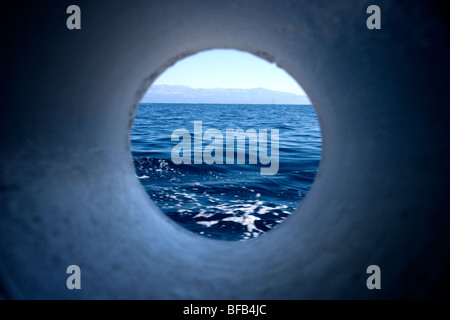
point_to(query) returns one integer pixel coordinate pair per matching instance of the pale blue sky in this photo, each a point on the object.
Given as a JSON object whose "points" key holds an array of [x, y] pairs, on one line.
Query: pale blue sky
{"points": [[226, 68]]}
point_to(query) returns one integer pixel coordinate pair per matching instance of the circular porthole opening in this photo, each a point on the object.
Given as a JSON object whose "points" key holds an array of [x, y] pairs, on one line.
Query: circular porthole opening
{"points": [[226, 144]]}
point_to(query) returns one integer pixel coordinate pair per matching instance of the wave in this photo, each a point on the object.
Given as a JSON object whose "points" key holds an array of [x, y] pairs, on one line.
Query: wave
{"points": [[222, 202], [227, 201]]}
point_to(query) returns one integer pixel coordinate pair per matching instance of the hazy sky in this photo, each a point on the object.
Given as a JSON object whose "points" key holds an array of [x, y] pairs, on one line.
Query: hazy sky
{"points": [[225, 68]]}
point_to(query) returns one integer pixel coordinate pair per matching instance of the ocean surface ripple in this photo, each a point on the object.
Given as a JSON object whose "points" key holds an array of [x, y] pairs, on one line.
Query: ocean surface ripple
{"points": [[226, 201]]}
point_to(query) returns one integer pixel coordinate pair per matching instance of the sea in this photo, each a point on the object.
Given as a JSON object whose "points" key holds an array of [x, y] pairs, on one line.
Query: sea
{"points": [[225, 201]]}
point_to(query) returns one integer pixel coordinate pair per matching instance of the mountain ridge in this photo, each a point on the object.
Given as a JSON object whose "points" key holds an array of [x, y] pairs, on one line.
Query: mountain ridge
{"points": [[184, 94]]}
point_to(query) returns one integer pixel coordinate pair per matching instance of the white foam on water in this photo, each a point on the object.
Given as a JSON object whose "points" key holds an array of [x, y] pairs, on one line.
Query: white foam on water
{"points": [[204, 214], [247, 220], [244, 212], [208, 223]]}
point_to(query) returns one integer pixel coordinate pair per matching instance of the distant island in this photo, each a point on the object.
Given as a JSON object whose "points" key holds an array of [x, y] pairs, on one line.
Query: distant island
{"points": [[183, 94]]}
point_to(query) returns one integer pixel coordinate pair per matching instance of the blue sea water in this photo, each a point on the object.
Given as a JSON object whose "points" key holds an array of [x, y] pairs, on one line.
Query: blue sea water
{"points": [[226, 201]]}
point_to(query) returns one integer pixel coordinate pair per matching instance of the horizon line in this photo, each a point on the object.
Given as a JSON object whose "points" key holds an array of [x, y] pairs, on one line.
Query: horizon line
{"points": [[182, 85], [244, 104]]}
